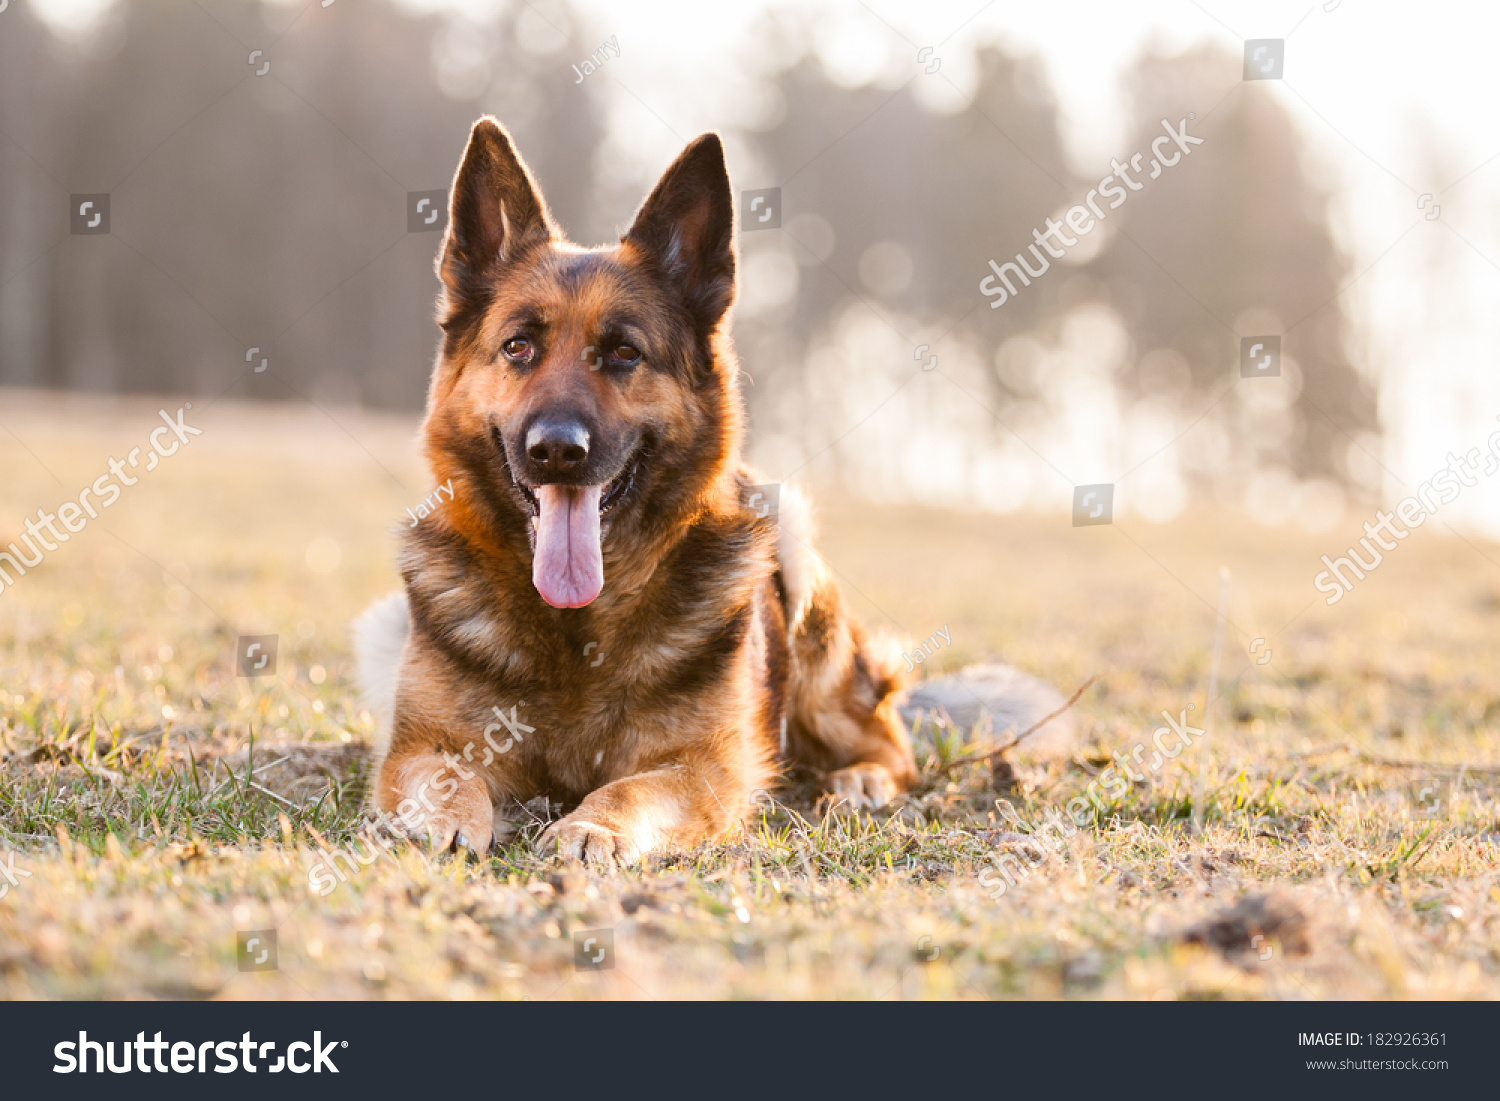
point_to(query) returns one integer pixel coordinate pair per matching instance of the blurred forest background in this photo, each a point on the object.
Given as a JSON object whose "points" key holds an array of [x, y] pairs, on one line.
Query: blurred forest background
{"points": [[270, 212]]}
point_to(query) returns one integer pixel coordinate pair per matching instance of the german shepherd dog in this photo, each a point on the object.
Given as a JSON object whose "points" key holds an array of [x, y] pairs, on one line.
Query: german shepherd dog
{"points": [[656, 649]]}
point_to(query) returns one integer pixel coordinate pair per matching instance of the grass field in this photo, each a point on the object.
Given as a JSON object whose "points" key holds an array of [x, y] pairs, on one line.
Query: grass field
{"points": [[1332, 835]]}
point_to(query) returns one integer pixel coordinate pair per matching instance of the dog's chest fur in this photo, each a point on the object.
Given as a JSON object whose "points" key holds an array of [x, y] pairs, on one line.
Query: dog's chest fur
{"points": [[585, 696]]}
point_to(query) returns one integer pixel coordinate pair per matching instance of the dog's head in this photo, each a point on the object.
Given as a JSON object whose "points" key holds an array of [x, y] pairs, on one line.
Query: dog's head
{"points": [[583, 393]]}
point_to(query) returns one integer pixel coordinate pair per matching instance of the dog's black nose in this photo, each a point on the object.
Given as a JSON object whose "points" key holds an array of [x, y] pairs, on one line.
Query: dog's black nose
{"points": [[557, 445]]}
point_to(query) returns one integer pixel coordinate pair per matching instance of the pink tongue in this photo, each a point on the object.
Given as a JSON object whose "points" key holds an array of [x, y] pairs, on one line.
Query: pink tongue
{"points": [[567, 568]]}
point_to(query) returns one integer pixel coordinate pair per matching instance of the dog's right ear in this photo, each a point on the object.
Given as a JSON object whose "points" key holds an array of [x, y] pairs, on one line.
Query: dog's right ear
{"points": [[495, 210]]}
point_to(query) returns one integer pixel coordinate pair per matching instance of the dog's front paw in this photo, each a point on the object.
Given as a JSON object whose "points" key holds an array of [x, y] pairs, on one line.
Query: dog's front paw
{"points": [[595, 845], [468, 825], [862, 786], [474, 832], [428, 801]]}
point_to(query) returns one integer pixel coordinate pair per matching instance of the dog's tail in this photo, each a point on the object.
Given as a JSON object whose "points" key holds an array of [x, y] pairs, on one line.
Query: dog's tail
{"points": [[1013, 701], [379, 639]]}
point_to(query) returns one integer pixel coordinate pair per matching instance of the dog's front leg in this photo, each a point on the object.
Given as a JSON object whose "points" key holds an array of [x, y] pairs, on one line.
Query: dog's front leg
{"points": [[439, 796], [673, 806]]}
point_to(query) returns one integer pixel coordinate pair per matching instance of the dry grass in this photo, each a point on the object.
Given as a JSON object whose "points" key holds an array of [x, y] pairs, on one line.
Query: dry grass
{"points": [[154, 828]]}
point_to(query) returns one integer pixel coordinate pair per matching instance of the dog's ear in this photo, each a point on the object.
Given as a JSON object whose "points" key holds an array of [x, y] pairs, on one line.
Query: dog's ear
{"points": [[495, 209], [686, 227]]}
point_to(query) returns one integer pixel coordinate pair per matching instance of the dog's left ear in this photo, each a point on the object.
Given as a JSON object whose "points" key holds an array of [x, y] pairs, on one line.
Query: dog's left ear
{"points": [[686, 227]]}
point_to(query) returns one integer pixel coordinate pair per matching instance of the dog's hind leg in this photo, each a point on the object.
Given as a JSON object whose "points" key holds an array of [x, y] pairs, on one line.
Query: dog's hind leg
{"points": [[842, 717], [841, 711]]}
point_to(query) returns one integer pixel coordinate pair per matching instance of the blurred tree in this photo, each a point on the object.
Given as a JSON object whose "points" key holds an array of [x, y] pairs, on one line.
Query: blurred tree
{"points": [[256, 211], [1237, 243], [270, 212], [881, 170]]}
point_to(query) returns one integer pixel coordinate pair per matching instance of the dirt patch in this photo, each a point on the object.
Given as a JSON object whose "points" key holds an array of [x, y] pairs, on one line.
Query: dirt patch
{"points": [[1257, 923]]}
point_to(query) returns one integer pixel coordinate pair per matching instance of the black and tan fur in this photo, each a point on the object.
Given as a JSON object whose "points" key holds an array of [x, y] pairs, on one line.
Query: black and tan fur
{"points": [[657, 710]]}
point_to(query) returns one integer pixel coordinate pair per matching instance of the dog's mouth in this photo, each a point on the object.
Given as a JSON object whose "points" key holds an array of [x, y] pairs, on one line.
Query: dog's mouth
{"points": [[611, 495], [567, 560]]}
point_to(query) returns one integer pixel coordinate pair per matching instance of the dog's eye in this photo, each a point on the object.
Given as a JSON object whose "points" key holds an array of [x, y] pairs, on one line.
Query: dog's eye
{"points": [[627, 355], [517, 347]]}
